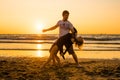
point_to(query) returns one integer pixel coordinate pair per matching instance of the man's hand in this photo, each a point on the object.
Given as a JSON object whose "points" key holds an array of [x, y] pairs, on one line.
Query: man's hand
{"points": [[49, 29], [44, 30]]}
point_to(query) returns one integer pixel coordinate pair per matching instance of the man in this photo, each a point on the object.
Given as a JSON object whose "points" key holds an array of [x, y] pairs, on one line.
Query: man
{"points": [[64, 28]]}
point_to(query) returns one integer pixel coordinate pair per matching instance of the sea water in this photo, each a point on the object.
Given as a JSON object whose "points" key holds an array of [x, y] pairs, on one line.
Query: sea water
{"points": [[105, 46]]}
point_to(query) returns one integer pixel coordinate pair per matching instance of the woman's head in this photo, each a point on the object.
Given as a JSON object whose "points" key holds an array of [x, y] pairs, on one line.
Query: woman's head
{"points": [[65, 15], [79, 42]]}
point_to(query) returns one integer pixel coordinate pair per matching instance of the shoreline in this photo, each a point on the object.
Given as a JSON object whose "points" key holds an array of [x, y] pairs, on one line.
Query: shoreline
{"points": [[22, 68]]}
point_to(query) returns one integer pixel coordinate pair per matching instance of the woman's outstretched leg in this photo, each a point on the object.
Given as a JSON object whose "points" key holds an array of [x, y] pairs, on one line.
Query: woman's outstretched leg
{"points": [[54, 62], [53, 51], [49, 59], [57, 59]]}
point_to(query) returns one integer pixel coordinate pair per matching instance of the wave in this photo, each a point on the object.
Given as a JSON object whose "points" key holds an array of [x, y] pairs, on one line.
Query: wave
{"points": [[27, 42], [52, 41], [48, 49], [97, 37], [28, 36]]}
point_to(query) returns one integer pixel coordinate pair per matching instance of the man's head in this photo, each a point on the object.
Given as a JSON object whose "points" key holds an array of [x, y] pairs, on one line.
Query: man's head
{"points": [[65, 15]]}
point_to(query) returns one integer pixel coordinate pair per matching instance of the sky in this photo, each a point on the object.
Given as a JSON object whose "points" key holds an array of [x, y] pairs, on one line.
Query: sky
{"points": [[31, 16]]}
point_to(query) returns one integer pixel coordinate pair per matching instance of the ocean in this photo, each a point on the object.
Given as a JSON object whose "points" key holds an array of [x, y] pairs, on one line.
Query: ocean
{"points": [[102, 46]]}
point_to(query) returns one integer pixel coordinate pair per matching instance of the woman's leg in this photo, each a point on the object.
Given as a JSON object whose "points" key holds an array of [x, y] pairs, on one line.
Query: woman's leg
{"points": [[54, 62], [57, 59], [53, 51]]}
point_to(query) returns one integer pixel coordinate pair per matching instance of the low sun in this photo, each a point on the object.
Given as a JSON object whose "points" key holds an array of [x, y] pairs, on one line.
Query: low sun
{"points": [[39, 27]]}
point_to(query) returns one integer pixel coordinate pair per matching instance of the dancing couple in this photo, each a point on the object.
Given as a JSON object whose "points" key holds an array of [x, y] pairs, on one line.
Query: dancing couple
{"points": [[65, 39]]}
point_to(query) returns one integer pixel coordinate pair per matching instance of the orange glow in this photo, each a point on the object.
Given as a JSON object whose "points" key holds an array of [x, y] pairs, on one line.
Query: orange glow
{"points": [[39, 53], [88, 16], [39, 27]]}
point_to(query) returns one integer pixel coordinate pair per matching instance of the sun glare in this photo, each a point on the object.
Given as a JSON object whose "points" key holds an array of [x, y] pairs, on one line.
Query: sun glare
{"points": [[39, 27], [39, 46], [39, 53]]}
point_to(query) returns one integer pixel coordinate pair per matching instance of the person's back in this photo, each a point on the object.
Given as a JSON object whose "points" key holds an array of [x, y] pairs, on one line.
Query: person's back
{"points": [[64, 40]]}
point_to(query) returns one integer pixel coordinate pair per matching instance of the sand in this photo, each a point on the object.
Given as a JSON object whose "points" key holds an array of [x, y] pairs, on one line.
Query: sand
{"points": [[29, 68]]}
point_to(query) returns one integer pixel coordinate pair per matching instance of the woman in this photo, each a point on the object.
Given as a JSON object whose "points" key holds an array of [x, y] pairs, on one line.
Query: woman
{"points": [[66, 40]]}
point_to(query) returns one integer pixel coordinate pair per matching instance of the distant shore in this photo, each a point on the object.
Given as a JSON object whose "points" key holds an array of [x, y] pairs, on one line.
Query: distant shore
{"points": [[22, 68]]}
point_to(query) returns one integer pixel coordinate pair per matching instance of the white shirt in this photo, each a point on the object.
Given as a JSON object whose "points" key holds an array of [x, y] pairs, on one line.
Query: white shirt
{"points": [[64, 27]]}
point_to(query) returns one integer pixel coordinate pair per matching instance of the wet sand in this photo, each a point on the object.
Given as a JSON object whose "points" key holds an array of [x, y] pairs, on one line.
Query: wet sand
{"points": [[29, 68]]}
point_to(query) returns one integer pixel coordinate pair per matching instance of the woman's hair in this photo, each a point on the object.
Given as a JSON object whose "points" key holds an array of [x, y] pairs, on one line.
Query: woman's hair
{"points": [[65, 12], [79, 42]]}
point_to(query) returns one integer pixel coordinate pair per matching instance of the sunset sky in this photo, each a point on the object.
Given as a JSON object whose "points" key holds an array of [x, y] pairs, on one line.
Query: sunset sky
{"points": [[31, 16]]}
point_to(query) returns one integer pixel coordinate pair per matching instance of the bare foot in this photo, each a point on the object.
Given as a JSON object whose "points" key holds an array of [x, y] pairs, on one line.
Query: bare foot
{"points": [[79, 66]]}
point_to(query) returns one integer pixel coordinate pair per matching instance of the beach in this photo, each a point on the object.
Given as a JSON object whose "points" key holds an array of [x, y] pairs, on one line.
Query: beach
{"points": [[22, 56], [29, 68]]}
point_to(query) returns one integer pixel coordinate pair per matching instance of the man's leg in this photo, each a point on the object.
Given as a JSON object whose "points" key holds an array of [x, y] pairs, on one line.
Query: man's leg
{"points": [[75, 58], [71, 51]]}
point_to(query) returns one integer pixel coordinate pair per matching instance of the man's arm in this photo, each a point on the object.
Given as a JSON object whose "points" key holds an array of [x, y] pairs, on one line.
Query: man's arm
{"points": [[72, 29], [51, 28]]}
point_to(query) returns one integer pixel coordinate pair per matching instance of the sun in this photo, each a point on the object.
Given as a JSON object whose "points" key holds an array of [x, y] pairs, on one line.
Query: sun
{"points": [[39, 27]]}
